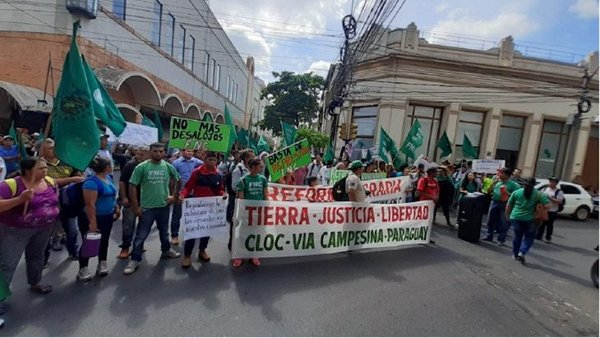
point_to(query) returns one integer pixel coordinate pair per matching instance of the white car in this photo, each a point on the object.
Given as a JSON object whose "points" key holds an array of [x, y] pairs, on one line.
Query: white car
{"points": [[578, 202]]}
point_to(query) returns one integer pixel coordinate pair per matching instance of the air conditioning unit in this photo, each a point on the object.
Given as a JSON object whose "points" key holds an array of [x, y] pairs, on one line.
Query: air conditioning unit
{"points": [[87, 8]]}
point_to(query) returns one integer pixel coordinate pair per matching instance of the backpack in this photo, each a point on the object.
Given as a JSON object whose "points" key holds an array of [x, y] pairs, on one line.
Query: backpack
{"points": [[12, 184], [561, 205], [71, 197], [339, 190]]}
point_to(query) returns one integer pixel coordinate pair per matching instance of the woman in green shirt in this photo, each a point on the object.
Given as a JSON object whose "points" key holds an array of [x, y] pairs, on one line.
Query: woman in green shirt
{"points": [[521, 212], [468, 185]]}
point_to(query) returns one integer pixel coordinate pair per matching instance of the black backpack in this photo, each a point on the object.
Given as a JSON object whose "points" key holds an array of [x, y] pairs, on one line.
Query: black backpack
{"points": [[71, 197], [339, 190]]}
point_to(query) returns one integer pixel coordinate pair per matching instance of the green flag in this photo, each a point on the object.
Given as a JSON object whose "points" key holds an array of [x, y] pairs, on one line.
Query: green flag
{"points": [[103, 105], [21, 146], [262, 145], [444, 145], [329, 152], [207, 117], [158, 125], [289, 133], [73, 120], [387, 145], [12, 132], [468, 150], [369, 155], [252, 145], [413, 140], [243, 137], [147, 122], [229, 121]]}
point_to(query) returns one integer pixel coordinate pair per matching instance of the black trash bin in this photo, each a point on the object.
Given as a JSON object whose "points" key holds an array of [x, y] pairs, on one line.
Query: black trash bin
{"points": [[470, 214]]}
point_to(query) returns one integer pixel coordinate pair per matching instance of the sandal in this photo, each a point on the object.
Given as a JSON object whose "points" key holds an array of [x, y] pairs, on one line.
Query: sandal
{"points": [[42, 289]]}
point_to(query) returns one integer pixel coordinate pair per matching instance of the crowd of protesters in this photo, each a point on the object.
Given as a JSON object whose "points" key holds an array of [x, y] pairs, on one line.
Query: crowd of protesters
{"points": [[153, 183]]}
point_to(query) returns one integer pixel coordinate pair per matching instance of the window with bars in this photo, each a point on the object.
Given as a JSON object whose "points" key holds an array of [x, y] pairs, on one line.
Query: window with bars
{"points": [[552, 149], [429, 118]]}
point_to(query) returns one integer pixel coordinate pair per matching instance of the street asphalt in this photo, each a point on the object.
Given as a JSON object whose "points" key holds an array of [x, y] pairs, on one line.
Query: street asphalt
{"points": [[452, 288]]}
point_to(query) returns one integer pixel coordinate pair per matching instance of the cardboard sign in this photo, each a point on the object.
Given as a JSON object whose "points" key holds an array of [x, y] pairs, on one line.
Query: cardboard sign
{"points": [[193, 134], [289, 158], [135, 135], [204, 216], [487, 166]]}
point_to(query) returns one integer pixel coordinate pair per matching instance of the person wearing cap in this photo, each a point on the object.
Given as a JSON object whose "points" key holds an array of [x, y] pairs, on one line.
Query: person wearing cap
{"points": [[10, 154], [370, 167], [501, 189], [354, 186], [556, 197]]}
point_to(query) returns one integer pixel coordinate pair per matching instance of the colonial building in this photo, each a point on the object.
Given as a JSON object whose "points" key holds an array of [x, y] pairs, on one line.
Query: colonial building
{"points": [[510, 106], [171, 56]]}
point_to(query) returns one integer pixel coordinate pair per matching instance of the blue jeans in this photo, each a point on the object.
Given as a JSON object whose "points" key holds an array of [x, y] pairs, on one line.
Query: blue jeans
{"points": [[522, 229], [497, 221], [149, 216], [176, 219], [129, 219], [70, 227]]}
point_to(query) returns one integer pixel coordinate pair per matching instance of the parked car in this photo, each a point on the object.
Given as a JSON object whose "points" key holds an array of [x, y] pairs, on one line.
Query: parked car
{"points": [[578, 202]]}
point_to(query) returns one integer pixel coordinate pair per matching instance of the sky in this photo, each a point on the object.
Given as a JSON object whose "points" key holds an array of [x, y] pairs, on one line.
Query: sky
{"points": [[306, 35]]}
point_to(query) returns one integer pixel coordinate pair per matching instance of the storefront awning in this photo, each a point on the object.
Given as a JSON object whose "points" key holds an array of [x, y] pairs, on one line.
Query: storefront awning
{"points": [[29, 99]]}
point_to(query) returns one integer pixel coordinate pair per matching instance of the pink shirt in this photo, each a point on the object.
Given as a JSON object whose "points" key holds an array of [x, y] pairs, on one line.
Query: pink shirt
{"points": [[41, 212]]}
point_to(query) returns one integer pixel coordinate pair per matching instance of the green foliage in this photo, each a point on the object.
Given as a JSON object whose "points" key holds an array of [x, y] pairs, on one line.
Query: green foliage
{"points": [[315, 138], [294, 99]]}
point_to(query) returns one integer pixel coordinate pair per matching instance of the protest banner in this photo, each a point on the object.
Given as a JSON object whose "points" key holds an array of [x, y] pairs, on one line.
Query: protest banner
{"points": [[337, 174], [381, 190], [187, 133], [204, 216], [135, 135], [289, 158], [487, 166], [282, 229]]}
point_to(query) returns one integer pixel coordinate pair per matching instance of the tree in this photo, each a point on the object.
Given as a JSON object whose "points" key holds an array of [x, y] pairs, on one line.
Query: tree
{"points": [[315, 138], [294, 99]]}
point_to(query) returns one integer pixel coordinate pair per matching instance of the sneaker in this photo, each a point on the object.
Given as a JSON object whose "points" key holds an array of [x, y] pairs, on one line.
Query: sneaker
{"points": [[187, 262], [521, 257], [548, 241], [170, 254], [236, 262], [255, 261], [203, 256], [84, 275], [516, 258], [131, 267], [501, 243], [102, 269], [124, 254], [175, 241]]}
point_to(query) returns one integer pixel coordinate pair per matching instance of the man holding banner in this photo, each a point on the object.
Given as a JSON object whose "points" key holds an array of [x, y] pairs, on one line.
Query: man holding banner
{"points": [[205, 181], [184, 165]]}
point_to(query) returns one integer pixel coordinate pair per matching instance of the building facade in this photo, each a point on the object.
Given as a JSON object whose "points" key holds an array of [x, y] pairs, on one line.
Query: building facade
{"points": [[170, 56], [511, 107]]}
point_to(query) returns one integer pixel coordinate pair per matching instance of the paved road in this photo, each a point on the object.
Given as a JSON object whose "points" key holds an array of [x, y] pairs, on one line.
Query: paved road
{"points": [[452, 288]]}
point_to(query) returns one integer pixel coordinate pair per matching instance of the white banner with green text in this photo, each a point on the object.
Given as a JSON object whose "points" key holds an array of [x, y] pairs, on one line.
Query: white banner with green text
{"points": [[283, 229]]}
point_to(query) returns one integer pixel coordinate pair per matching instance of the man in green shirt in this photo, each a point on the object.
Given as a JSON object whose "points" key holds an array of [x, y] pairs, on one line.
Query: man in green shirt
{"points": [[253, 186], [501, 188], [521, 212], [159, 184]]}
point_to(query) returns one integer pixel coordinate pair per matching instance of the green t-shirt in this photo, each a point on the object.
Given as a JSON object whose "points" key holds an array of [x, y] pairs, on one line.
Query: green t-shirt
{"points": [[510, 185], [153, 180], [524, 209], [253, 187]]}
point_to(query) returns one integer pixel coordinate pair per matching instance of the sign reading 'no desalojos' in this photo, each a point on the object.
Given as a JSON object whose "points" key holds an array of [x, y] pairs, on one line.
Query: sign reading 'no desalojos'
{"points": [[281, 229], [288, 158], [192, 134]]}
